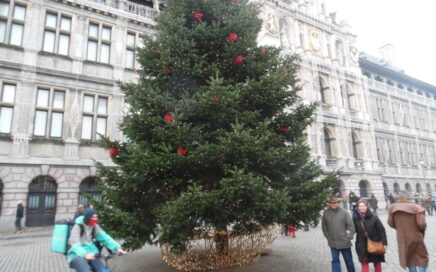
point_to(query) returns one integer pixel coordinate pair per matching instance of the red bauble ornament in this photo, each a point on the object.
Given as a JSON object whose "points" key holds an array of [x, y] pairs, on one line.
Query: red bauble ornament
{"points": [[214, 99], [284, 129], [238, 59], [182, 151], [113, 151], [168, 118], [234, 1], [166, 69], [198, 16], [261, 52], [232, 37]]}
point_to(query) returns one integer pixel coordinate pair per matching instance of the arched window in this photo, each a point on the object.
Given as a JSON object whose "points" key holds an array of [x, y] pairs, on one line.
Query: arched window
{"points": [[418, 188], [340, 52], [324, 88], [408, 187], [339, 188], [364, 188], [41, 202], [88, 187], [396, 188], [354, 145], [350, 96], [385, 189], [327, 144], [428, 188]]}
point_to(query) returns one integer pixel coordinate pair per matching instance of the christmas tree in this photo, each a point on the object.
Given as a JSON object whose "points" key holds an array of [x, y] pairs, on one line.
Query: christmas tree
{"points": [[216, 134]]}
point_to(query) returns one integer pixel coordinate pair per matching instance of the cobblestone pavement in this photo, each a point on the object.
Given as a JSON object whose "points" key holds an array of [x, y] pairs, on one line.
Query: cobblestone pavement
{"points": [[30, 252]]}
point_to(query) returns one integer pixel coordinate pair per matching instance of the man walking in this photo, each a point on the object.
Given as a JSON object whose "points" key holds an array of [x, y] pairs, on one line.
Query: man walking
{"points": [[408, 219], [338, 229], [19, 216]]}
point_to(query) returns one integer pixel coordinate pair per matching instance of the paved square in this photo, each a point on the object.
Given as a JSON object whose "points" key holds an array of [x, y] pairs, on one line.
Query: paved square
{"points": [[307, 252]]}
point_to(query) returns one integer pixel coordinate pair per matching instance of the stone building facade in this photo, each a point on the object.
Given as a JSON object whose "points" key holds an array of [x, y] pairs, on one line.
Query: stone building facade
{"points": [[59, 66], [60, 60]]}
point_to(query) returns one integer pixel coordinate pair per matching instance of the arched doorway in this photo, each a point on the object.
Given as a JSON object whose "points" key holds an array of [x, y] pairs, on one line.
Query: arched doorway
{"points": [[364, 188], [41, 202], [408, 187], [428, 188], [418, 188], [88, 187], [396, 188]]}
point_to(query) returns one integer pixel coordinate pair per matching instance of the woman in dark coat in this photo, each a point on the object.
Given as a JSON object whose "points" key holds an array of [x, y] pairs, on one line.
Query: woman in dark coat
{"points": [[376, 232]]}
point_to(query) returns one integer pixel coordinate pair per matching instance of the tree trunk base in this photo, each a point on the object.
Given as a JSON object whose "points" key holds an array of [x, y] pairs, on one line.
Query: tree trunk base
{"points": [[217, 250]]}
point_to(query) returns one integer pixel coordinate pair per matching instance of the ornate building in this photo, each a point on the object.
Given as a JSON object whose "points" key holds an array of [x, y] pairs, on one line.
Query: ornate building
{"points": [[60, 60], [59, 63], [375, 123]]}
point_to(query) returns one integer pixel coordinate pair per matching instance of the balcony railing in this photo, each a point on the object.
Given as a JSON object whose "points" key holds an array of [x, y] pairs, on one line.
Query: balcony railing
{"points": [[128, 6], [331, 163]]}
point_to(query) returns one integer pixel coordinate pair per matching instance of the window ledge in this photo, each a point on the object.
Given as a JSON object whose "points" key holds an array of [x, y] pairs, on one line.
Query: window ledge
{"points": [[89, 143], [43, 53], [5, 137], [131, 70], [98, 63], [15, 47], [40, 140]]}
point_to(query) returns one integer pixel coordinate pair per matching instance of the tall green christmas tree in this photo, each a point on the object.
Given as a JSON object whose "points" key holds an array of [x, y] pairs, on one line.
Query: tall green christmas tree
{"points": [[216, 133]]}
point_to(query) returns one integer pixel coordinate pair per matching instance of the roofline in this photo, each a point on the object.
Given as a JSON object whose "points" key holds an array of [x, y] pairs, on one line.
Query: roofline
{"points": [[389, 73]]}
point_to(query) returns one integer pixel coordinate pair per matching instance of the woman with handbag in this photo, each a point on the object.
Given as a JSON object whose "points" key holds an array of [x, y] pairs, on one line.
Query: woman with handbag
{"points": [[371, 241]]}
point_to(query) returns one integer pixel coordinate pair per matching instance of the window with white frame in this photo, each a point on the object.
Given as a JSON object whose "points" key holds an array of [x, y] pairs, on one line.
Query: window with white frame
{"points": [[7, 100], [57, 32], [99, 42], [12, 17], [94, 117], [49, 112], [133, 41]]}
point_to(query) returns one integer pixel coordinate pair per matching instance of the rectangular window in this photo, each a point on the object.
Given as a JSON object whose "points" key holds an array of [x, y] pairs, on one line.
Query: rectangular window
{"points": [[16, 34], [56, 124], [94, 120], [49, 41], [131, 44], [12, 17], [57, 32], [99, 42], [2, 31], [4, 9], [7, 100], [87, 127], [40, 123], [19, 12], [49, 112]]}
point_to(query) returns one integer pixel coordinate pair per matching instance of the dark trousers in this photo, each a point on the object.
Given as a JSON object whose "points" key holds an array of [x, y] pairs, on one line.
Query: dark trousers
{"points": [[348, 258], [83, 265], [18, 223]]}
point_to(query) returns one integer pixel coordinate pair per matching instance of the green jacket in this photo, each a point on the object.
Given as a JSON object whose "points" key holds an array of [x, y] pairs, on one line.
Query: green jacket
{"points": [[335, 224], [81, 245]]}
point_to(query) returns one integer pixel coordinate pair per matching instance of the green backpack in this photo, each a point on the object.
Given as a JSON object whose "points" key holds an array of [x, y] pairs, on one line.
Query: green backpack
{"points": [[61, 234]]}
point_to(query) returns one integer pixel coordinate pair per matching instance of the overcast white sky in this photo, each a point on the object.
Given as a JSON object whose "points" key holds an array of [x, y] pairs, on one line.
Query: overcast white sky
{"points": [[409, 25]]}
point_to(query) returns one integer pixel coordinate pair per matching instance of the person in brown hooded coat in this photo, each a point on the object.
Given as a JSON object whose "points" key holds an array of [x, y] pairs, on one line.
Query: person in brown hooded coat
{"points": [[408, 219]]}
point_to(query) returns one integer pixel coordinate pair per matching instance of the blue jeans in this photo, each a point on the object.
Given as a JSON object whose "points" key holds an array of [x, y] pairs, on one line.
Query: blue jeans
{"points": [[348, 257], [83, 265], [420, 269], [18, 223]]}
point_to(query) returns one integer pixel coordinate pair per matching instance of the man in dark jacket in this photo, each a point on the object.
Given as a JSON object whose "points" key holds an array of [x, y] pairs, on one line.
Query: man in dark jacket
{"points": [[19, 216], [338, 229]]}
